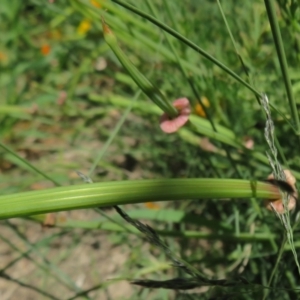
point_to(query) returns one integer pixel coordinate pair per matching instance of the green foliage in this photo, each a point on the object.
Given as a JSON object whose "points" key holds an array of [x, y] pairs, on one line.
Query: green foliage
{"points": [[68, 104]]}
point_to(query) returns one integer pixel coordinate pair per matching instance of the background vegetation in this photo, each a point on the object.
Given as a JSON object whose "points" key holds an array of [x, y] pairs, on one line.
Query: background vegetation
{"points": [[63, 94]]}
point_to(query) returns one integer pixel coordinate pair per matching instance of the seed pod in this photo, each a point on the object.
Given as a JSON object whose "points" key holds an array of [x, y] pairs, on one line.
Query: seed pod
{"points": [[290, 188]]}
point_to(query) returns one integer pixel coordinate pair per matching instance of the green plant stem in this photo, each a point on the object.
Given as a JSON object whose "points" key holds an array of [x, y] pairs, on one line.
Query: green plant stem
{"points": [[282, 60], [124, 192]]}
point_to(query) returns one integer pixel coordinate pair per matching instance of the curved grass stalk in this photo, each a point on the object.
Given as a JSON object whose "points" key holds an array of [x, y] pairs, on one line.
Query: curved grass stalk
{"points": [[125, 192]]}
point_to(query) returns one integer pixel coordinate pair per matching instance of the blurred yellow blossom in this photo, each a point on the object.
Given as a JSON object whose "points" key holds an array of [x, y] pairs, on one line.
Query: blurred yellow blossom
{"points": [[3, 57], [84, 26], [199, 109], [95, 3], [152, 205]]}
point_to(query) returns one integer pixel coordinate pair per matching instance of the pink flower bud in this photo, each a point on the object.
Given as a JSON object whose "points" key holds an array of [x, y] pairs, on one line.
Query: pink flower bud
{"points": [[169, 125]]}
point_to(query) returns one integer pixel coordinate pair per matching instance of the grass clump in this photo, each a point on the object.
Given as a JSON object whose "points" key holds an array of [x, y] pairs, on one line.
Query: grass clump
{"points": [[69, 103]]}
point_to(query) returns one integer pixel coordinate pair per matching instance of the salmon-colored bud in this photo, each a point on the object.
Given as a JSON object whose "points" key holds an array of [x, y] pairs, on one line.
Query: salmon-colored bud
{"points": [[169, 125], [248, 142], [152, 205], [277, 204], [45, 49]]}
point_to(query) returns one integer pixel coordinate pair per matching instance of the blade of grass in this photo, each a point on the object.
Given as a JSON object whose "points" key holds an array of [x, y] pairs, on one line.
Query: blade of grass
{"points": [[124, 192]]}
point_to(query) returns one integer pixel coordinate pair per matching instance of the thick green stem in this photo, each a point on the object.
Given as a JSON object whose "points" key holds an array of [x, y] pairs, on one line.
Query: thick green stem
{"points": [[124, 192]]}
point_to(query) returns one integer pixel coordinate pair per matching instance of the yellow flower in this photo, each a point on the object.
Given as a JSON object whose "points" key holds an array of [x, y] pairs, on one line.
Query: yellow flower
{"points": [[199, 109], [84, 26], [152, 205], [3, 57], [95, 3]]}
